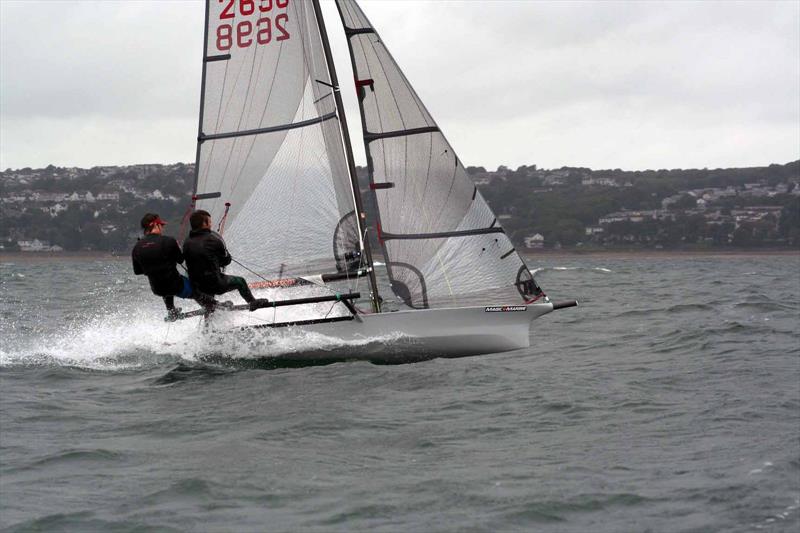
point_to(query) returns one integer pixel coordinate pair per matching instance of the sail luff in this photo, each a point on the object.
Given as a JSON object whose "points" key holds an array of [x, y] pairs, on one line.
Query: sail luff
{"points": [[360, 214], [368, 154], [202, 100]]}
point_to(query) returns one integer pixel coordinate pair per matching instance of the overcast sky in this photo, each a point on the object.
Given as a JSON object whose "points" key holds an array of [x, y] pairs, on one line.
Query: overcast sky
{"points": [[630, 85]]}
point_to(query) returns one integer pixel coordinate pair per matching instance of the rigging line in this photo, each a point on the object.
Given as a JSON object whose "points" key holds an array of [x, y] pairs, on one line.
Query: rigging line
{"points": [[249, 270], [268, 280], [360, 265]]}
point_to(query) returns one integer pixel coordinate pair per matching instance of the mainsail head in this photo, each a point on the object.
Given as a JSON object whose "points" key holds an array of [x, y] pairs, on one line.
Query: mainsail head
{"points": [[440, 239]]}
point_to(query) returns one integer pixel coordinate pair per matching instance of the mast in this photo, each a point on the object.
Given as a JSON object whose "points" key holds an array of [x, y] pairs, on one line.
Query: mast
{"points": [[360, 215], [202, 105]]}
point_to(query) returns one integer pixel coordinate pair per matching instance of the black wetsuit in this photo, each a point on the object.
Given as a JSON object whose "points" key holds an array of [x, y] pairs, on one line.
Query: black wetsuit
{"points": [[157, 256], [206, 255]]}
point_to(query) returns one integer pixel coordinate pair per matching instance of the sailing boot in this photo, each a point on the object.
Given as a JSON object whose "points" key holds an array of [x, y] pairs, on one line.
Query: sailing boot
{"points": [[258, 303], [173, 314], [205, 300], [247, 295]]}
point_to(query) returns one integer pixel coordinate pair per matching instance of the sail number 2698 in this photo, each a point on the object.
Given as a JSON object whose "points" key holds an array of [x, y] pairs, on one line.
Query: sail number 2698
{"points": [[268, 25]]}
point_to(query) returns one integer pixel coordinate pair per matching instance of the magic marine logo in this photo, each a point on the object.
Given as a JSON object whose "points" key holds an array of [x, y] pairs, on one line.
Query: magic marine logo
{"points": [[505, 308]]}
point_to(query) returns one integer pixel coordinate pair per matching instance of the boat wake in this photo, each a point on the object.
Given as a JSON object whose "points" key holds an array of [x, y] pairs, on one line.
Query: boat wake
{"points": [[140, 340]]}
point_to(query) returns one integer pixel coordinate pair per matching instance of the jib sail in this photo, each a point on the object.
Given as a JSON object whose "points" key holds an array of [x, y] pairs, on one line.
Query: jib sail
{"points": [[440, 239]]}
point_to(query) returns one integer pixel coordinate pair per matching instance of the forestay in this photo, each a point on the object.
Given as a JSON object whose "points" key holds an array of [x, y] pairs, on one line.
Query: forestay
{"points": [[269, 141], [440, 238]]}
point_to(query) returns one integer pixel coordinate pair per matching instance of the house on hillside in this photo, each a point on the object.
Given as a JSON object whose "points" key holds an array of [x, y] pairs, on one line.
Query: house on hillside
{"points": [[600, 182], [534, 241], [593, 230], [37, 246]]}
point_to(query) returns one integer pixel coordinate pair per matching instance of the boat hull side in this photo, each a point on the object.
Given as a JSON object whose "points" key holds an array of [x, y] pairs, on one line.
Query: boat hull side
{"points": [[408, 336]]}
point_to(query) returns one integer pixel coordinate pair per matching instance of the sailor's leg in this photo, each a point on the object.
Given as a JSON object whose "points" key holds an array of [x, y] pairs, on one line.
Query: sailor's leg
{"points": [[172, 311], [239, 283], [188, 291]]}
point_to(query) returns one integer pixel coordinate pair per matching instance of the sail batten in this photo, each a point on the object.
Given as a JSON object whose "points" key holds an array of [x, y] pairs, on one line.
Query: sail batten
{"points": [[269, 129], [369, 137], [421, 236]]}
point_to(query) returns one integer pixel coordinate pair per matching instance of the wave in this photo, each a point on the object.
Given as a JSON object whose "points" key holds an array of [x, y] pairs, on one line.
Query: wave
{"points": [[136, 339], [564, 269]]}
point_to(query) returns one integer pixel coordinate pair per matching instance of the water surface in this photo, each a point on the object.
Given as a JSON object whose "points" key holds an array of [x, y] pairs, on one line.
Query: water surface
{"points": [[669, 401]]}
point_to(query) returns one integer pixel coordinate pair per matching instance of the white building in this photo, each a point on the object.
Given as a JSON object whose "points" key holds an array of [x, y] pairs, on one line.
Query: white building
{"points": [[534, 241]]}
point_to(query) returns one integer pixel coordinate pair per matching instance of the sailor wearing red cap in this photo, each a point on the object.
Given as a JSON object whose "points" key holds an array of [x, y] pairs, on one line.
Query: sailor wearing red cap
{"points": [[157, 256]]}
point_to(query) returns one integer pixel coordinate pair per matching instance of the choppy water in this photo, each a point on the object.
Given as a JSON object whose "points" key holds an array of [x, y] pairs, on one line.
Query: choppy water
{"points": [[670, 401]]}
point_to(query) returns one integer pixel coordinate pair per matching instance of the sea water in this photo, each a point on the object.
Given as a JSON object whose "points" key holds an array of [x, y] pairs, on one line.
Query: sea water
{"points": [[668, 401]]}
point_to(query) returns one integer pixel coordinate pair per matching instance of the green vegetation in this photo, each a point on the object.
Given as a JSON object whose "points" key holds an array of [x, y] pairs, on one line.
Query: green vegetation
{"points": [[99, 208]]}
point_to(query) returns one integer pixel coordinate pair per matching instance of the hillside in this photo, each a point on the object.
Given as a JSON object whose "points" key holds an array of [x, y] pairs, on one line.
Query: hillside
{"points": [[99, 208]]}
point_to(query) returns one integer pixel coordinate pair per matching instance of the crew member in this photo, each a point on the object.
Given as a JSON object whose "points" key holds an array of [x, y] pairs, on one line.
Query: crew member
{"points": [[206, 256], [157, 256]]}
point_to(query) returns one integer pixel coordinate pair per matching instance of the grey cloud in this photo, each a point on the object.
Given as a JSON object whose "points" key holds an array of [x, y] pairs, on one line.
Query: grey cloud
{"points": [[509, 81], [110, 59]]}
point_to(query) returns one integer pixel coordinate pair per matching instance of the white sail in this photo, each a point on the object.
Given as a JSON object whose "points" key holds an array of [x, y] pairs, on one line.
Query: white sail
{"points": [[441, 240], [270, 142], [272, 146]]}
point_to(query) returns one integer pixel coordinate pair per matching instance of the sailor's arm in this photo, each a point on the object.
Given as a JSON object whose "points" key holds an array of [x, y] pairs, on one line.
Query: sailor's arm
{"points": [[222, 251], [175, 252], [137, 268]]}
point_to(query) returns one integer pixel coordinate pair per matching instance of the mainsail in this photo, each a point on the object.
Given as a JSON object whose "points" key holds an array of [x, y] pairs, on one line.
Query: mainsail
{"points": [[270, 143], [440, 239]]}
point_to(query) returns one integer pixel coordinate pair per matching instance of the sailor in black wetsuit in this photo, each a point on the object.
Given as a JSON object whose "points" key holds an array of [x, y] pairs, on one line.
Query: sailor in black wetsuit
{"points": [[157, 256], [206, 256]]}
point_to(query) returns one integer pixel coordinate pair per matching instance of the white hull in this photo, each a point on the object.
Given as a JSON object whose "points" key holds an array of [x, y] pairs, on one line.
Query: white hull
{"points": [[408, 336]]}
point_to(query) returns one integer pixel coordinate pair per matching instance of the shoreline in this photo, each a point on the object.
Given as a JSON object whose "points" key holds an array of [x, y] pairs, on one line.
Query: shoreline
{"points": [[630, 254], [527, 254]]}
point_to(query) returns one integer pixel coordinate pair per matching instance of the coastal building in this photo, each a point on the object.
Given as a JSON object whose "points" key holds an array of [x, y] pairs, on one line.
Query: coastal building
{"points": [[594, 230], [636, 216], [535, 241], [36, 245], [601, 182]]}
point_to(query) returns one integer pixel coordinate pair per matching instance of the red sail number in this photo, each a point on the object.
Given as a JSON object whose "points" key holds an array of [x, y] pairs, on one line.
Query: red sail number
{"points": [[242, 36]]}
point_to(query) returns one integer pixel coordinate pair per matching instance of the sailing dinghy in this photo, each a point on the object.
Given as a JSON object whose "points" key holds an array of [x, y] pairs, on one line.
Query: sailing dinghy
{"points": [[275, 168]]}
